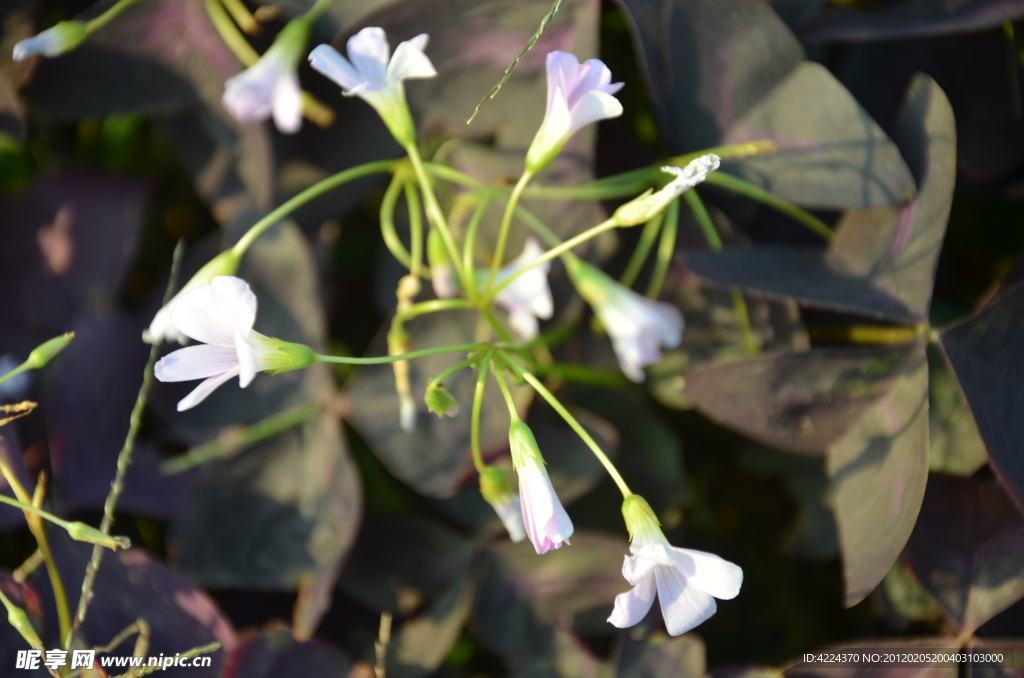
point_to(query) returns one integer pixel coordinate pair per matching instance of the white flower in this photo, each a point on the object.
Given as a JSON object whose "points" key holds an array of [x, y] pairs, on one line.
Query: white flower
{"points": [[645, 207], [511, 514], [546, 522], [221, 315], [271, 85], [60, 38], [528, 297], [162, 329], [637, 326], [372, 73], [687, 581], [578, 94]]}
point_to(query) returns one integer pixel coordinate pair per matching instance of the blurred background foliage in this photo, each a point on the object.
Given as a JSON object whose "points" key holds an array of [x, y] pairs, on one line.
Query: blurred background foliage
{"points": [[805, 464]]}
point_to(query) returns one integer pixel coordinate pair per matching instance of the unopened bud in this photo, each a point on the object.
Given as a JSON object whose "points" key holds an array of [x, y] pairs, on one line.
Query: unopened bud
{"points": [[640, 519], [278, 356], [45, 352], [82, 532], [644, 208], [440, 401], [60, 38]]}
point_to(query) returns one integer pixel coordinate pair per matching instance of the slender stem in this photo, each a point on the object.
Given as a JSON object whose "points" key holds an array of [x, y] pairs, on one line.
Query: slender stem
{"points": [[301, 199], [643, 248], [317, 10], [232, 441], [75, 529], [759, 194], [393, 358], [510, 402], [432, 306], [739, 307], [38, 530], [470, 243], [387, 222], [434, 213], [439, 379], [24, 367], [474, 425], [412, 200], [666, 248], [584, 374], [230, 34], [867, 334], [123, 459], [242, 16], [741, 150], [571, 420], [108, 16], [558, 250], [617, 186], [506, 225], [700, 213], [489, 316]]}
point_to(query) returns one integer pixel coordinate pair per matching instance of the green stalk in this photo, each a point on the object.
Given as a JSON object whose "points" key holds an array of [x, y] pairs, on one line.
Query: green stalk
{"points": [[757, 193], [643, 248], [506, 225], [474, 426], [108, 16], [387, 222], [666, 248], [434, 213], [76, 530], [412, 200], [382, 360], [700, 213], [470, 243]]}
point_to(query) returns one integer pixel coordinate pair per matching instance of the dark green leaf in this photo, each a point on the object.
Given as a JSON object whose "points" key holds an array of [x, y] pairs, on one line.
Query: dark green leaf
{"points": [[968, 549], [882, 261], [984, 353], [955, 446]]}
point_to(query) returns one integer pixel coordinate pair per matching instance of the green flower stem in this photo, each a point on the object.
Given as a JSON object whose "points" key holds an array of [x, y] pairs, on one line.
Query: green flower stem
{"points": [[739, 307], [618, 186], [509, 400], [24, 367], [38, 530], [108, 16], [387, 222], [569, 419], [434, 213], [643, 248], [492, 319], [412, 200], [432, 306], [194, 652], [470, 242], [242, 16], [439, 379], [606, 225], [506, 225], [474, 426], [233, 441], [584, 374], [301, 199], [666, 249], [123, 459], [18, 618], [872, 335], [757, 193], [454, 348], [78, 531], [700, 213], [741, 150]]}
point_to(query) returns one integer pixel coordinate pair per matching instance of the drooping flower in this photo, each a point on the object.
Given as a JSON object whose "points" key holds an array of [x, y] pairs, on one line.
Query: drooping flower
{"points": [[221, 315], [650, 204], [162, 329], [62, 37], [578, 94], [686, 581], [372, 73], [547, 524], [528, 297], [638, 327], [496, 489], [270, 87]]}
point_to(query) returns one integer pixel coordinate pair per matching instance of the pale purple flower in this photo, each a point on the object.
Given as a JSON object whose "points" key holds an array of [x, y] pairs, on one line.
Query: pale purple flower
{"points": [[546, 522], [221, 316], [528, 297], [638, 327], [270, 87], [686, 581], [578, 95], [372, 73], [511, 514]]}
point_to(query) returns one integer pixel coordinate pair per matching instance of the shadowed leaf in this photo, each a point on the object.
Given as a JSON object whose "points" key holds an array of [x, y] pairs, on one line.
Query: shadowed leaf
{"points": [[909, 18], [708, 62], [275, 654], [984, 353], [955, 446], [968, 549], [660, 656], [882, 261]]}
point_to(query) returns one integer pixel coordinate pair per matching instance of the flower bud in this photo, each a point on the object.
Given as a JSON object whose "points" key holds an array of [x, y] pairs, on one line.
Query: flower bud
{"points": [[82, 532], [547, 524], [276, 356], [644, 208], [440, 401], [45, 352], [18, 618], [60, 38]]}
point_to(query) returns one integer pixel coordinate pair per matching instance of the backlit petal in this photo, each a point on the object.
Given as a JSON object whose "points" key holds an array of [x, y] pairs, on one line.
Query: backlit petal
{"points": [[236, 302], [409, 62], [632, 606], [246, 361], [197, 315], [287, 102], [369, 52], [195, 362], [328, 61], [683, 605], [594, 106], [204, 389], [711, 573]]}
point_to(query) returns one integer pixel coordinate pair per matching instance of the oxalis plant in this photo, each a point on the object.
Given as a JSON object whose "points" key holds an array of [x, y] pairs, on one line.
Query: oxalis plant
{"points": [[451, 266]]}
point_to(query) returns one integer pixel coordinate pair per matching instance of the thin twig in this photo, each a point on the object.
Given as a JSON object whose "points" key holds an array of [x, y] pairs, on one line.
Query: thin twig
{"points": [[515, 62], [123, 459], [381, 646]]}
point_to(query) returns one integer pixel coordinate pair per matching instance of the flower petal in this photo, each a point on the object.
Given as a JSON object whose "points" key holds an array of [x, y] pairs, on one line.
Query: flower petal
{"points": [[204, 389], [511, 514], [524, 324], [195, 362], [248, 96], [162, 329], [632, 606], [635, 569], [554, 130], [246, 361], [369, 52], [236, 302], [709, 572], [420, 41], [546, 522], [594, 106], [409, 62], [328, 61], [197, 315], [287, 102], [683, 605], [561, 71]]}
